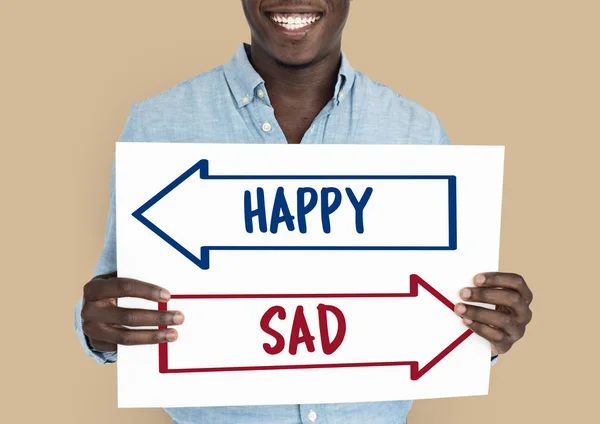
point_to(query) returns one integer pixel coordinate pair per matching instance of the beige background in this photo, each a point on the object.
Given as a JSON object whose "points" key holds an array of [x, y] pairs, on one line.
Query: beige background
{"points": [[523, 73]]}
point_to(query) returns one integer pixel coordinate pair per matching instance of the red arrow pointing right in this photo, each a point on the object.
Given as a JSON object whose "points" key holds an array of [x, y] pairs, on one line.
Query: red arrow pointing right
{"points": [[416, 371]]}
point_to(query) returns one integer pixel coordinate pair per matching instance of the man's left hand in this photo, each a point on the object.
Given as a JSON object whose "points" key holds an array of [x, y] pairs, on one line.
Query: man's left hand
{"points": [[504, 325]]}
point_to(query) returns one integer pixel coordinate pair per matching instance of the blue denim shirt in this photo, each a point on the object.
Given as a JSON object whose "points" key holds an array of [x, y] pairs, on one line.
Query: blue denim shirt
{"points": [[230, 104]]}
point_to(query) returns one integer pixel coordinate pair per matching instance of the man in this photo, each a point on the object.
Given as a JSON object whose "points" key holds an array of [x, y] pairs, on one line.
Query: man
{"points": [[293, 85]]}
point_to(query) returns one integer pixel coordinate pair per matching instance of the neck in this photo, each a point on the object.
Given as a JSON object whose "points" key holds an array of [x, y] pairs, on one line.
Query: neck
{"points": [[312, 83]]}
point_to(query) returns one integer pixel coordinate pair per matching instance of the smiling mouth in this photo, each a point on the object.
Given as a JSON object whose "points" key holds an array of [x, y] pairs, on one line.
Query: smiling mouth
{"points": [[294, 21]]}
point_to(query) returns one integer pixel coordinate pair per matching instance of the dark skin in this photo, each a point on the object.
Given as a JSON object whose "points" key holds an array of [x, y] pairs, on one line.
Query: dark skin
{"points": [[103, 321], [300, 73], [504, 325]]}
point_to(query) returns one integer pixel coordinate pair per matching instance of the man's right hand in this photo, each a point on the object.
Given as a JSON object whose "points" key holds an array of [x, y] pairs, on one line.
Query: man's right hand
{"points": [[104, 322]]}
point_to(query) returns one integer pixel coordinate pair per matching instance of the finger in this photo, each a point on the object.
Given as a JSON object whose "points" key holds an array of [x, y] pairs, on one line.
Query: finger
{"points": [[98, 289], [500, 297], [507, 281], [132, 317], [500, 320], [497, 338], [101, 346], [122, 336]]}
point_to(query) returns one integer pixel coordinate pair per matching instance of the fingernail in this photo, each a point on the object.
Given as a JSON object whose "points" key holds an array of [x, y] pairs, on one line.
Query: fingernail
{"points": [[171, 336], [165, 295], [467, 321], [479, 279], [178, 318], [460, 309], [465, 293]]}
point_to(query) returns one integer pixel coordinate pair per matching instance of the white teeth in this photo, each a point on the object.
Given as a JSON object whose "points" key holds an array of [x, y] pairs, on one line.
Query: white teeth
{"points": [[293, 23]]}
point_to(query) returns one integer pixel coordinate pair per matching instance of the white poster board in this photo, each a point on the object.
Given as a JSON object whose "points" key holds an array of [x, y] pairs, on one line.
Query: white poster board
{"points": [[303, 270]]}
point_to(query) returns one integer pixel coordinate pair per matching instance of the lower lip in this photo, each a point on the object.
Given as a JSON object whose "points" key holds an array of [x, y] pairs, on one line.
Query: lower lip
{"points": [[297, 31]]}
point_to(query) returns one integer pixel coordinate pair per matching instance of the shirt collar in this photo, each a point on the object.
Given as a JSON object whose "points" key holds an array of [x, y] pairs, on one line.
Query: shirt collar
{"points": [[241, 76], [345, 80], [243, 79]]}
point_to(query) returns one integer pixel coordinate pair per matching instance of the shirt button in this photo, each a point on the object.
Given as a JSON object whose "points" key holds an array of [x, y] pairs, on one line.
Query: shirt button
{"points": [[312, 415], [341, 96], [266, 127], [260, 94], [245, 100]]}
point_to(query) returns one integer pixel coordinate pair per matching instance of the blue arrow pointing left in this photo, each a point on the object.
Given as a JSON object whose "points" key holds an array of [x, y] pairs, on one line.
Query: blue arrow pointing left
{"points": [[201, 167]]}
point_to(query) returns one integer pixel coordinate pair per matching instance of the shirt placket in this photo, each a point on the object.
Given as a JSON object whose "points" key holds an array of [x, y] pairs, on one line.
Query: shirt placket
{"points": [[263, 118], [312, 414], [266, 126]]}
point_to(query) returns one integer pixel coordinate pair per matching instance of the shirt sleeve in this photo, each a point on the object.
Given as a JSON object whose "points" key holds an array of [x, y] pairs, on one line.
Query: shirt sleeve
{"points": [[439, 134], [107, 262]]}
